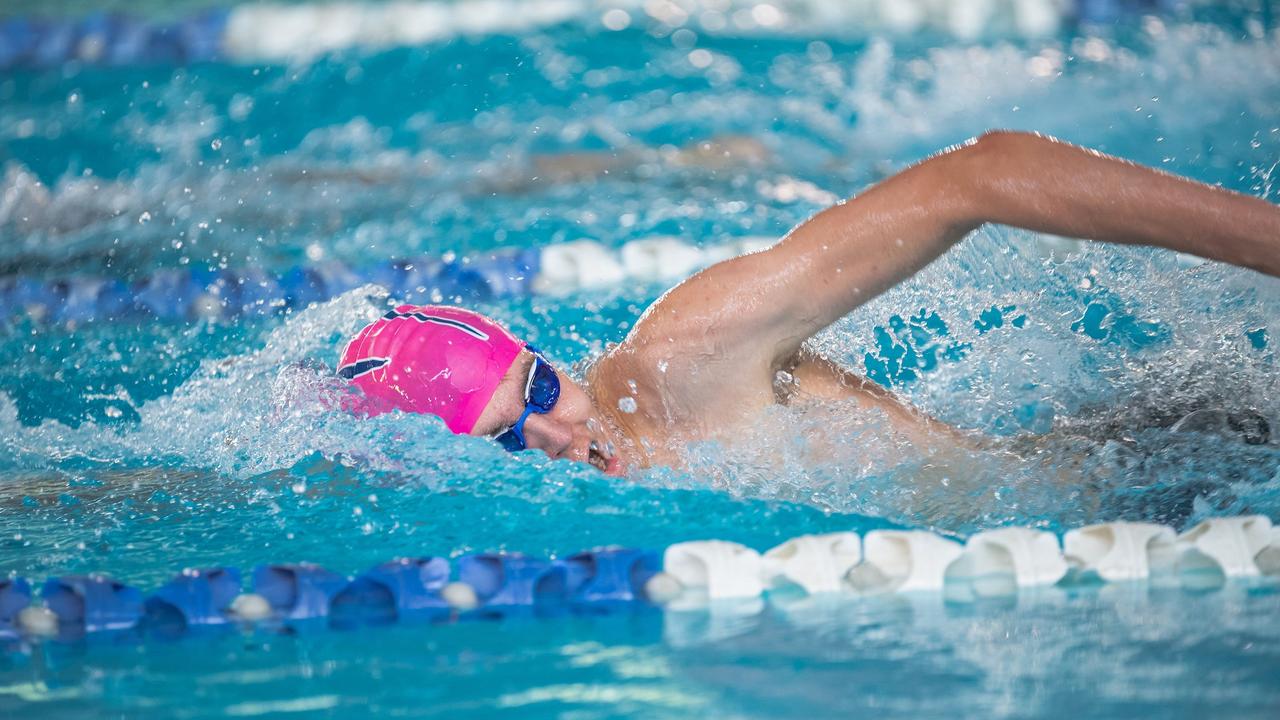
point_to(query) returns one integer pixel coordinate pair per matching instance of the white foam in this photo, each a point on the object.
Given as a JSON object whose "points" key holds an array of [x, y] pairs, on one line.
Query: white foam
{"points": [[241, 415], [267, 31], [271, 31]]}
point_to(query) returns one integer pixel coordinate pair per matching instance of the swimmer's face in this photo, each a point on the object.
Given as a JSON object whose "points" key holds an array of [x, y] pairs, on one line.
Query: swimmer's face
{"points": [[571, 430]]}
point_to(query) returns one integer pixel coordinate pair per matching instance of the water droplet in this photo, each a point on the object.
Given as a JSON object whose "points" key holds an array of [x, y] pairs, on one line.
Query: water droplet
{"points": [[144, 218], [216, 144], [627, 405]]}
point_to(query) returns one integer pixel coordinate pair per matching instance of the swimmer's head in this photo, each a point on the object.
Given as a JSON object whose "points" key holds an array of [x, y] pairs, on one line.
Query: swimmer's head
{"points": [[443, 361], [472, 373]]}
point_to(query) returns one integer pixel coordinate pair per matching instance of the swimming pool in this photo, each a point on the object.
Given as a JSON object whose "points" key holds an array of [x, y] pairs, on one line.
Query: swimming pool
{"points": [[144, 442]]}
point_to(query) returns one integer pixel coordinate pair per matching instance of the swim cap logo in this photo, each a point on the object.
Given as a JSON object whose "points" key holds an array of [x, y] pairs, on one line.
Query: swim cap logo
{"points": [[362, 367], [471, 330]]}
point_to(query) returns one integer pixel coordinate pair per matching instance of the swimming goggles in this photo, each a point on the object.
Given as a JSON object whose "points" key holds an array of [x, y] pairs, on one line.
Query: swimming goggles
{"points": [[541, 391]]}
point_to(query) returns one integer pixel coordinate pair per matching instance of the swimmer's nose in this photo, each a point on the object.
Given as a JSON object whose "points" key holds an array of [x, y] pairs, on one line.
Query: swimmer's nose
{"points": [[548, 435]]}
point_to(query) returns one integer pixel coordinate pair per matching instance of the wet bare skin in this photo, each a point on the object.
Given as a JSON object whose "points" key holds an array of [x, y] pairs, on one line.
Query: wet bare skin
{"points": [[811, 382], [704, 359]]}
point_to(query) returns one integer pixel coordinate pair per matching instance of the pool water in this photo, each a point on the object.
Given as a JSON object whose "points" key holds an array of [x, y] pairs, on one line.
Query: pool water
{"points": [[139, 448]]}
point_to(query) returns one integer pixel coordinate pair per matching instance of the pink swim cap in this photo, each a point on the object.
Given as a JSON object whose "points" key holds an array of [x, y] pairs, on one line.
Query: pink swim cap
{"points": [[433, 359]]}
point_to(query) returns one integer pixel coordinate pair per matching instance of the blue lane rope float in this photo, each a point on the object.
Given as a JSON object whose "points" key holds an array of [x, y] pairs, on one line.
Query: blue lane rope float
{"points": [[401, 589], [181, 294], [92, 603], [111, 38], [684, 576], [188, 294], [298, 592], [611, 575], [210, 293], [15, 594], [193, 598]]}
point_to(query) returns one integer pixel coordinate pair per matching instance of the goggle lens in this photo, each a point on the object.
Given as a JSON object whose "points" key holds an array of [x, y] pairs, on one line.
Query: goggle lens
{"points": [[541, 392]]}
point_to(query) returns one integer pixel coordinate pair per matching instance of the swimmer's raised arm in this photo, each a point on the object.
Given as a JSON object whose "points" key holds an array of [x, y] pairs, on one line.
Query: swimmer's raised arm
{"points": [[765, 305]]}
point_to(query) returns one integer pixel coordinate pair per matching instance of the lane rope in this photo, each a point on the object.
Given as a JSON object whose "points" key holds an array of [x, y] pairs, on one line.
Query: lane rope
{"points": [[189, 294], [687, 576]]}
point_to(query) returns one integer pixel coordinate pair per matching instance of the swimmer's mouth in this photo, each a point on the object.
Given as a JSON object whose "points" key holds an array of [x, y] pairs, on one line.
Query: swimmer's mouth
{"points": [[601, 456]]}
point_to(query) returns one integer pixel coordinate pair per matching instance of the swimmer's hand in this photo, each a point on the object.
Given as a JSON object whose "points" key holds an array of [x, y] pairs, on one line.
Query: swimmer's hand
{"points": [[758, 309]]}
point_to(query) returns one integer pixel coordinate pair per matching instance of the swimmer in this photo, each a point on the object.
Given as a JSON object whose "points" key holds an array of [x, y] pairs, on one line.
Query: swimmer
{"points": [[702, 362]]}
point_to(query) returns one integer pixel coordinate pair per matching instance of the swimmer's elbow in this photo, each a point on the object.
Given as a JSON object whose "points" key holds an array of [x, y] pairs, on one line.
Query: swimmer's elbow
{"points": [[966, 181], [990, 169], [995, 144]]}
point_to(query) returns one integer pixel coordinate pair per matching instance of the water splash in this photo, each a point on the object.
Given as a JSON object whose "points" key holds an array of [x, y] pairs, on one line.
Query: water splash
{"points": [[1077, 422], [1102, 349], [387, 164]]}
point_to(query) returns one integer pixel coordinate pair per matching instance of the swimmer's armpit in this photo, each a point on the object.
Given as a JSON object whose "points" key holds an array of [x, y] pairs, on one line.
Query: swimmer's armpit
{"points": [[809, 377]]}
